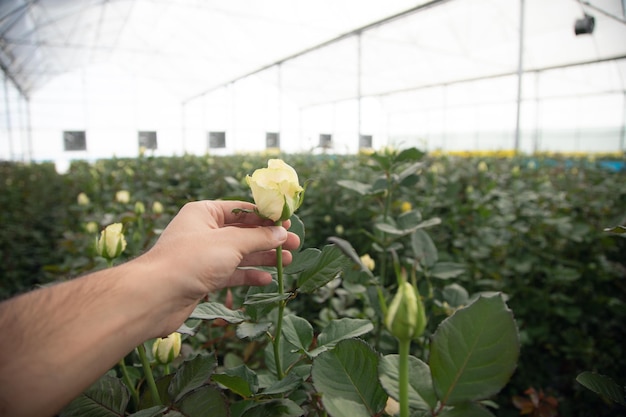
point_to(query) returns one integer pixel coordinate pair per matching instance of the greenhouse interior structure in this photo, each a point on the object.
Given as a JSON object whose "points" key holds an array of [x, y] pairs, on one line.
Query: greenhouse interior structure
{"points": [[90, 79], [451, 174]]}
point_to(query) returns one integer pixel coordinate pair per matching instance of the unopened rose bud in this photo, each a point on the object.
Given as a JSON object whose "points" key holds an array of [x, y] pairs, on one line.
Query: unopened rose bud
{"points": [[140, 208], [406, 318], [122, 196], [91, 227], [165, 350], [276, 190], [112, 242], [157, 207], [82, 199], [482, 166], [368, 262], [405, 207]]}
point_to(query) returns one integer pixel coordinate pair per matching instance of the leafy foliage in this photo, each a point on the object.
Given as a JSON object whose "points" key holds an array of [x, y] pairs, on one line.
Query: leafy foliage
{"points": [[544, 233]]}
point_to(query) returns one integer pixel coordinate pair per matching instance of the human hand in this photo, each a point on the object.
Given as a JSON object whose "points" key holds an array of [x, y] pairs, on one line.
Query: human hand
{"points": [[202, 248]]}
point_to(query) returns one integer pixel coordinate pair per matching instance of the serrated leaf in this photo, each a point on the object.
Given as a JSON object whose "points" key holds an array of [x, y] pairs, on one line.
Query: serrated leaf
{"points": [[424, 248], [107, 397], [241, 380], [347, 377], [259, 311], [409, 154], [192, 374], [466, 410], [265, 298], [602, 385], [283, 386], [205, 401], [297, 227], [282, 407], [298, 331], [397, 231], [155, 411], [474, 352], [455, 295], [212, 311], [303, 260], [616, 229], [421, 393], [252, 330], [447, 270], [338, 330], [330, 264], [409, 220], [359, 187], [349, 251]]}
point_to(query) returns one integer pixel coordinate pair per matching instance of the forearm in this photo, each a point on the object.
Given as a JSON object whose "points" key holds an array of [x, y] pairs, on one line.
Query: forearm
{"points": [[69, 335]]}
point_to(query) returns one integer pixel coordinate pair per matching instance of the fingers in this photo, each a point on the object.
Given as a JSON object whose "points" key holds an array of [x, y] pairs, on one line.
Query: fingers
{"points": [[241, 212], [249, 277], [267, 258], [257, 239]]}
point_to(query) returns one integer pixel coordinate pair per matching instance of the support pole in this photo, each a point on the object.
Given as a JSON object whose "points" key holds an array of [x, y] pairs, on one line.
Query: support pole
{"points": [[623, 130], [8, 113], [520, 75], [358, 87]]}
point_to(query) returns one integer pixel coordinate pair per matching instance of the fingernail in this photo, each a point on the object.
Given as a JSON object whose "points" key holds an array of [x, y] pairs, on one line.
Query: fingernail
{"points": [[279, 232]]}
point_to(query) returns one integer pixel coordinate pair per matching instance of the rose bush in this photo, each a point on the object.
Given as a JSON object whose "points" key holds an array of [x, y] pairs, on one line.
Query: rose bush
{"points": [[532, 227]]}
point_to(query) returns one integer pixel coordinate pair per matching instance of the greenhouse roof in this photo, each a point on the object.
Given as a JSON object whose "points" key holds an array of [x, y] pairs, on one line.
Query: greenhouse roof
{"points": [[194, 46]]}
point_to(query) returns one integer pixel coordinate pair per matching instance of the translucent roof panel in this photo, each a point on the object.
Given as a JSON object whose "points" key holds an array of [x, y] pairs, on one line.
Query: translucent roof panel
{"points": [[187, 45]]}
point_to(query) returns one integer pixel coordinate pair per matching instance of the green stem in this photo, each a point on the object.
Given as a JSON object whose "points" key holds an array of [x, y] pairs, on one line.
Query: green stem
{"points": [[405, 347], [129, 383], [148, 373], [281, 309]]}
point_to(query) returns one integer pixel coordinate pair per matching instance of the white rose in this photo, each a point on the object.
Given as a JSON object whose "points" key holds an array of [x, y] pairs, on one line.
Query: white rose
{"points": [[112, 242], [276, 190]]}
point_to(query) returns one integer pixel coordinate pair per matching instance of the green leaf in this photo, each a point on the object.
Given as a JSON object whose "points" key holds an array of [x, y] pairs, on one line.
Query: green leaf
{"points": [[455, 295], [303, 260], [283, 386], [192, 374], [241, 380], [258, 312], [265, 298], [252, 330], [409, 220], [421, 393], [398, 231], [350, 252], [297, 227], [359, 187], [447, 270], [275, 408], [616, 229], [474, 352], [212, 311], [347, 377], [602, 385], [205, 401], [338, 330], [155, 411], [107, 397], [424, 248], [409, 155], [330, 264], [466, 410], [298, 331]]}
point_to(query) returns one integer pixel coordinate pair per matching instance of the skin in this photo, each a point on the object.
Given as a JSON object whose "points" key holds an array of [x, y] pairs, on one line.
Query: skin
{"points": [[58, 340]]}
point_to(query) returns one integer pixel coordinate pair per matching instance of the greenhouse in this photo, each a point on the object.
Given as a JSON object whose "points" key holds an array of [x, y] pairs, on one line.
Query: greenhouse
{"points": [[348, 208], [91, 79]]}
